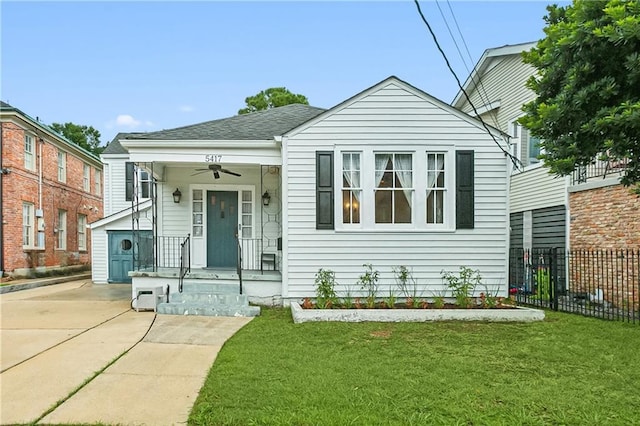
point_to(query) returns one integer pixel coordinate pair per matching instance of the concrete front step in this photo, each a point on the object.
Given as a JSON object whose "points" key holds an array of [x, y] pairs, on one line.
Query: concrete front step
{"points": [[206, 309], [211, 287], [210, 298]]}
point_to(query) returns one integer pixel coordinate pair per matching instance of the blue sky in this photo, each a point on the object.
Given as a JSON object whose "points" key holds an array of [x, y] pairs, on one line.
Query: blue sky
{"points": [[142, 66]]}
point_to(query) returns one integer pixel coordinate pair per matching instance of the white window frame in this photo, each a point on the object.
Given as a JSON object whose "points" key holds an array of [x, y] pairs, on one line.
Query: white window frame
{"points": [[351, 189], [98, 181], [516, 132], [82, 232], [62, 230], [29, 152], [28, 225], [86, 177], [62, 166], [393, 189], [419, 178], [437, 155]]}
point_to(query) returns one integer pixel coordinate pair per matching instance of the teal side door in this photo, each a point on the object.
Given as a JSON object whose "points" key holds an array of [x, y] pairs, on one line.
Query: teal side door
{"points": [[120, 256], [222, 225]]}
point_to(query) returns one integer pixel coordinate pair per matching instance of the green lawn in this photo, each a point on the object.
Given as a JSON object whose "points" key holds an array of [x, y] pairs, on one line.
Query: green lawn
{"points": [[566, 370]]}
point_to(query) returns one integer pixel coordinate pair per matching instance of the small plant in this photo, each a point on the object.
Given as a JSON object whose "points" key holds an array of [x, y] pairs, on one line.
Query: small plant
{"points": [[438, 302], [390, 300], [306, 303], [489, 299], [369, 282], [357, 303], [347, 300], [406, 283], [325, 288], [462, 285]]}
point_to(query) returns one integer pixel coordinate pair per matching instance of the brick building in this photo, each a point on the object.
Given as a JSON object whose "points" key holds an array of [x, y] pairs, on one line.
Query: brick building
{"points": [[50, 190]]}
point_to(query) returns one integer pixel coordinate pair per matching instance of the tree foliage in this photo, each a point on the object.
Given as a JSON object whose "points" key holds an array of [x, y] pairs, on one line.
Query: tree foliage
{"points": [[271, 98], [588, 86], [84, 136]]}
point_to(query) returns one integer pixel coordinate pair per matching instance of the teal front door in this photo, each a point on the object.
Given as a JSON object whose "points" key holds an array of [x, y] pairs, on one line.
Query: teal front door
{"points": [[222, 225]]}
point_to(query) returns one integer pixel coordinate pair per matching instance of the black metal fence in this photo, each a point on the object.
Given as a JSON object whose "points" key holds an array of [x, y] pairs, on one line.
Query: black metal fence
{"points": [[598, 283], [599, 168]]}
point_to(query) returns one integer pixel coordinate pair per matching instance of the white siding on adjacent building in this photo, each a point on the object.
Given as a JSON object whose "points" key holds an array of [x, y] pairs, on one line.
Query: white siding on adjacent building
{"points": [[393, 116], [503, 80], [536, 189]]}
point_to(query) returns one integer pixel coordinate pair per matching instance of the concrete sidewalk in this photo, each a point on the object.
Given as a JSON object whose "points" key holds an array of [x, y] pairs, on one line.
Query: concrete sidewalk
{"points": [[55, 338]]}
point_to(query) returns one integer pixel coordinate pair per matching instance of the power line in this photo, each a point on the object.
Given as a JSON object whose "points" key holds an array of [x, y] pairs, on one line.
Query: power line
{"points": [[481, 90], [514, 160]]}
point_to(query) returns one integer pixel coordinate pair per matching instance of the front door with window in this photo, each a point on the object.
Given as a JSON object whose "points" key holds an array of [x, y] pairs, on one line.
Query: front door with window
{"points": [[222, 225]]}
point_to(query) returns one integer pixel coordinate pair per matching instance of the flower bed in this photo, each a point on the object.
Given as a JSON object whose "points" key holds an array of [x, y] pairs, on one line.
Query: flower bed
{"points": [[510, 314]]}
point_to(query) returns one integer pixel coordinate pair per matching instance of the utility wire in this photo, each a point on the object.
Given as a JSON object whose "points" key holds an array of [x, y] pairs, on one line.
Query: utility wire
{"points": [[482, 92], [514, 160]]}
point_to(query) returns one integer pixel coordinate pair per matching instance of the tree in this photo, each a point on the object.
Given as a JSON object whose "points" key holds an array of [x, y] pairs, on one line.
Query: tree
{"points": [[588, 86], [84, 136], [272, 98]]}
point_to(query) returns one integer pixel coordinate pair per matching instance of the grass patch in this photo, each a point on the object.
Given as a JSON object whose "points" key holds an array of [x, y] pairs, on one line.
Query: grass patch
{"points": [[565, 370]]}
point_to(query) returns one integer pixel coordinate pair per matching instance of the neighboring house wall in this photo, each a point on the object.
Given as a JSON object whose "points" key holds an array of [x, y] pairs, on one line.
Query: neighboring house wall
{"points": [[392, 119], [536, 189], [605, 218], [500, 83], [34, 195]]}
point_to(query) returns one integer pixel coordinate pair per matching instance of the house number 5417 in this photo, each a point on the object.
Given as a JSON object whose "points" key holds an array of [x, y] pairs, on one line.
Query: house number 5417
{"points": [[213, 158]]}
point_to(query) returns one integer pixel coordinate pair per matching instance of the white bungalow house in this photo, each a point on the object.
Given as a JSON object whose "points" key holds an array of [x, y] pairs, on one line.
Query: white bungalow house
{"points": [[260, 202]]}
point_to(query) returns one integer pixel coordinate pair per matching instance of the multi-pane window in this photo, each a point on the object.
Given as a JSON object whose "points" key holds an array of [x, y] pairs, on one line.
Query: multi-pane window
{"points": [[436, 189], [62, 229], [247, 214], [351, 187], [98, 182], [197, 207], [82, 232], [29, 148], [86, 177], [62, 166], [393, 187], [28, 235], [144, 182]]}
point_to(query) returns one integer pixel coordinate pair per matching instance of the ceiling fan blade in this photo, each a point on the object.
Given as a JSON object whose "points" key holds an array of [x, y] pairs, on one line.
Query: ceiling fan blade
{"points": [[230, 172], [200, 172]]}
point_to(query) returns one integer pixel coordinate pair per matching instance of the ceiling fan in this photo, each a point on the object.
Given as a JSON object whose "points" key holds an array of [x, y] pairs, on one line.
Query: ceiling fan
{"points": [[216, 169]]}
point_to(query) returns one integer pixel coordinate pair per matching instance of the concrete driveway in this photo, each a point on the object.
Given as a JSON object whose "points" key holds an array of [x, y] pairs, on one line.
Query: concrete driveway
{"points": [[76, 353]]}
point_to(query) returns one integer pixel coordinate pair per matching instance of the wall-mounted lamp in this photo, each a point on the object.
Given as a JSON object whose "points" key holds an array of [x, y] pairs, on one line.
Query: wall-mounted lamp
{"points": [[266, 198], [177, 195], [5, 171]]}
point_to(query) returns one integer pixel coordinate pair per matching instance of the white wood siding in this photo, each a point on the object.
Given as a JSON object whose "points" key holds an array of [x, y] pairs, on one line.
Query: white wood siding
{"points": [[536, 189], [503, 80], [114, 185], [390, 117], [99, 256]]}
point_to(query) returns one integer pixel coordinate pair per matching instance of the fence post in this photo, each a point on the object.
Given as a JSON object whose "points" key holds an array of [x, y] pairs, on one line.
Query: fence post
{"points": [[553, 278]]}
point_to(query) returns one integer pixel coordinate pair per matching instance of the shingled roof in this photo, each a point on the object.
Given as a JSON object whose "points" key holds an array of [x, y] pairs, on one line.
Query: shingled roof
{"points": [[260, 125]]}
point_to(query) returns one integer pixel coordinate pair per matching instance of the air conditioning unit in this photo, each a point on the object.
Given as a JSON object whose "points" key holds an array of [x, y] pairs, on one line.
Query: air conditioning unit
{"points": [[147, 298]]}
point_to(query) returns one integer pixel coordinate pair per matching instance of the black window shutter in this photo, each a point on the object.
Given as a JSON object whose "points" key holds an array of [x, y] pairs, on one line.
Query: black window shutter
{"points": [[128, 181], [324, 190], [464, 190]]}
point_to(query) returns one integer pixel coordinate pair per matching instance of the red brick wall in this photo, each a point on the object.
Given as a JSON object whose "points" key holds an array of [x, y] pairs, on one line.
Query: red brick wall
{"points": [[605, 218], [21, 185], [605, 238]]}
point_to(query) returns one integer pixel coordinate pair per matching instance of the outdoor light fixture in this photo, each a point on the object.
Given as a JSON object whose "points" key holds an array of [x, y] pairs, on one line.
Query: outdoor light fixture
{"points": [[176, 196], [266, 198]]}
